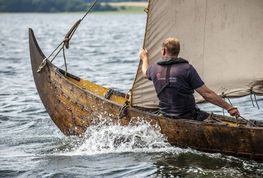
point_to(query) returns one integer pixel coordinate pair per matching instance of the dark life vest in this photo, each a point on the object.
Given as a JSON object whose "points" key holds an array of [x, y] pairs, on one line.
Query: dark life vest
{"points": [[168, 64], [174, 81]]}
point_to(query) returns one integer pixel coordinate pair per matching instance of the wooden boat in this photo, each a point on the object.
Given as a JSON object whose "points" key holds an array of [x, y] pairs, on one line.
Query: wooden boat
{"points": [[74, 103]]}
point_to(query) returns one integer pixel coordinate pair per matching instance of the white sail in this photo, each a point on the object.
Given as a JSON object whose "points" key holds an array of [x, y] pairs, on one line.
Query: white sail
{"points": [[222, 39]]}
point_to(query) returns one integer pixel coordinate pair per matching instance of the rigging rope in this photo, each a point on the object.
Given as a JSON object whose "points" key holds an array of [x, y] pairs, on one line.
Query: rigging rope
{"points": [[247, 121], [255, 98], [256, 101], [65, 43]]}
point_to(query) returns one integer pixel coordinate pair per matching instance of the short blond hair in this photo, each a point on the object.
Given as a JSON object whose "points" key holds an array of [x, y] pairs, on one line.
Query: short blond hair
{"points": [[172, 45]]}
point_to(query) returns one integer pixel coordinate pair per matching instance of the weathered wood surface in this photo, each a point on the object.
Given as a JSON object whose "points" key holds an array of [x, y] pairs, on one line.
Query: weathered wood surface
{"points": [[74, 105]]}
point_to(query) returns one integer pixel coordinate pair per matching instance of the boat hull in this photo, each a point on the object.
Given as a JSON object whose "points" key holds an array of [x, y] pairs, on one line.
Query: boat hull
{"points": [[74, 104]]}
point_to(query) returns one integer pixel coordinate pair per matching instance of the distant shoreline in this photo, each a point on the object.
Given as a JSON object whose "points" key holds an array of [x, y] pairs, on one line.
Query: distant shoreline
{"points": [[129, 7], [59, 7], [128, 4]]}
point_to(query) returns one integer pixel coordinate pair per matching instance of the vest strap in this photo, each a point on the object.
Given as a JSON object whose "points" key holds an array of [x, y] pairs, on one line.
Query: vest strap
{"points": [[167, 79]]}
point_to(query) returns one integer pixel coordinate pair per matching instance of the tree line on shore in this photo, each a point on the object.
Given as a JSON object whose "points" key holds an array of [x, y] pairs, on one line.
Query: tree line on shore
{"points": [[55, 5]]}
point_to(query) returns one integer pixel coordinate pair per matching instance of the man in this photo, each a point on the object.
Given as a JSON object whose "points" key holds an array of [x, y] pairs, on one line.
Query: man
{"points": [[175, 80]]}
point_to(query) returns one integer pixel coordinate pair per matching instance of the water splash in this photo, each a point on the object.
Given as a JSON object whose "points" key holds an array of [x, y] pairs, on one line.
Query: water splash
{"points": [[139, 137], [109, 137]]}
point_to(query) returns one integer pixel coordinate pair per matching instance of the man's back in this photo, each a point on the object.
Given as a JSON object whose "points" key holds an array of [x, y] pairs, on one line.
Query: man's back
{"points": [[174, 83]]}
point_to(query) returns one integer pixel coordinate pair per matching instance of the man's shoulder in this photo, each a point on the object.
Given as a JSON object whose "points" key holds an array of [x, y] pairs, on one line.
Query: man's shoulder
{"points": [[185, 66], [188, 66], [154, 66]]}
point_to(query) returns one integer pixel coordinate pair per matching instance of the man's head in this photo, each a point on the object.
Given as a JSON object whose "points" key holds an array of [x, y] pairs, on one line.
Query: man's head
{"points": [[171, 47]]}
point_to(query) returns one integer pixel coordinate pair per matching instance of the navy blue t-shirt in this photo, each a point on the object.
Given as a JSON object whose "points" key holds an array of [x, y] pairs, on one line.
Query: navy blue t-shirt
{"points": [[177, 98]]}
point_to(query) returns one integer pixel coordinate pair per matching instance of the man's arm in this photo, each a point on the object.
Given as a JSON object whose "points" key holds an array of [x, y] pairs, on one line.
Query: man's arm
{"points": [[212, 97], [144, 58]]}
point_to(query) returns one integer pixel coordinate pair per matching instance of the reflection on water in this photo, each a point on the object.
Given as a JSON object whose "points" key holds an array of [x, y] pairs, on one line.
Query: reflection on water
{"points": [[103, 50]]}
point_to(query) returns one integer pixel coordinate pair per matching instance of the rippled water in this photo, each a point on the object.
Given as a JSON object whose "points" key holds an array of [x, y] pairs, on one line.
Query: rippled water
{"points": [[104, 50]]}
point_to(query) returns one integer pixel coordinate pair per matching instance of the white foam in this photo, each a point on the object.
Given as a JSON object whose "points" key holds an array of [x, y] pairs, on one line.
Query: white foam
{"points": [[109, 137]]}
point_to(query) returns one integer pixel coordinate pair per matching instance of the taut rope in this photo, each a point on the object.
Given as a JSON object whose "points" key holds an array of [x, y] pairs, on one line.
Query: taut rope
{"points": [[65, 43]]}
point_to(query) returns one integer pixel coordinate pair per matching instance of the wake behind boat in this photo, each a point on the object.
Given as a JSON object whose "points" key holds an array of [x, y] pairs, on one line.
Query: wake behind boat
{"points": [[74, 103]]}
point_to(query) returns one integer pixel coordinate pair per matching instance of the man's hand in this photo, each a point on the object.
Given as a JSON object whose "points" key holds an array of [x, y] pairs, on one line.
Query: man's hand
{"points": [[233, 112], [143, 54]]}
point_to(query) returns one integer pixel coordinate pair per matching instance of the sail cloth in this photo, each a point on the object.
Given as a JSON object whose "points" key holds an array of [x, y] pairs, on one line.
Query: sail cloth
{"points": [[222, 39]]}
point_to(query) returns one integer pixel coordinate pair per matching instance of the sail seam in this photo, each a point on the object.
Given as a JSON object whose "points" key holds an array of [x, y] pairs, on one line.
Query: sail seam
{"points": [[204, 40]]}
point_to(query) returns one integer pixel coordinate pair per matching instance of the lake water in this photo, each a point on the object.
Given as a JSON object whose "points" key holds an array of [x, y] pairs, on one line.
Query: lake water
{"points": [[103, 50]]}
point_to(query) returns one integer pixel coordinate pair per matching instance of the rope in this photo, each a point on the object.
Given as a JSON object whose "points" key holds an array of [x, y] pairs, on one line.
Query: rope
{"points": [[223, 96], [229, 101], [44, 62], [70, 33], [248, 121], [56, 54], [65, 43], [108, 94], [65, 62], [256, 101], [123, 110], [251, 99], [89, 10]]}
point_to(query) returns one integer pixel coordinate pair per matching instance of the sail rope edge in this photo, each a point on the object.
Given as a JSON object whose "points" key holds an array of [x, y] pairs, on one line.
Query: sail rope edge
{"points": [[65, 43]]}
